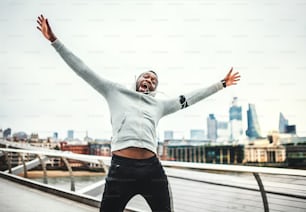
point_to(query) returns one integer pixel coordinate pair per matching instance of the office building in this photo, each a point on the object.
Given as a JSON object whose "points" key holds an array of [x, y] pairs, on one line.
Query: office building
{"points": [[223, 132], [7, 133], [55, 136], [235, 120], [253, 130], [283, 123], [291, 129], [212, 126], [197, 134], [70, 135]]}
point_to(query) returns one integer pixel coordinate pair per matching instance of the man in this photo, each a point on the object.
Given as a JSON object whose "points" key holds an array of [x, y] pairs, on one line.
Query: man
{"points": [[135, 168]]}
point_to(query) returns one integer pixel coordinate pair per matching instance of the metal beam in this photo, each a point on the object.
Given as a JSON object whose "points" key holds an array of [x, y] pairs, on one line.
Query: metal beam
{"points": [[72, 185], [43, 165], [25, 173], [262, 191], [8, 161]]}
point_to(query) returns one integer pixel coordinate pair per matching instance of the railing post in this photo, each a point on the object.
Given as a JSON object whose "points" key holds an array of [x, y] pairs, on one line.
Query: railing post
{"points": [[262, 191], [25, 172], [43, 165], [8, 160], [104, 166], [72, 185]]}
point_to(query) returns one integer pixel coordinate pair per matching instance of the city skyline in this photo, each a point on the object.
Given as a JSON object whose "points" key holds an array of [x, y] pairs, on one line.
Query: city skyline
{"points": [[189, 45], [210, 131]]}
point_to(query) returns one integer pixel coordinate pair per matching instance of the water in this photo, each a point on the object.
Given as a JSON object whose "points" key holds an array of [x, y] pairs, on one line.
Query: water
{"points": [[65, 182], [282, 183]]}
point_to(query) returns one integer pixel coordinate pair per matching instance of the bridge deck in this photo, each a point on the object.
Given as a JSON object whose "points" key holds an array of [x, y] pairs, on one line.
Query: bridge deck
{"points": [[15, 197], [191, 190], [195, 187], [202, 191]]}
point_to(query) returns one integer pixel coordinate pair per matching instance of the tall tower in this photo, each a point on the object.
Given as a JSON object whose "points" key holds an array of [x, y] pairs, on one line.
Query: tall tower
{"points": [[7, 132], [235, 120], [70, 134], [223, 131], [253, 130], [283, 123], [212, 126], [55, 136]]}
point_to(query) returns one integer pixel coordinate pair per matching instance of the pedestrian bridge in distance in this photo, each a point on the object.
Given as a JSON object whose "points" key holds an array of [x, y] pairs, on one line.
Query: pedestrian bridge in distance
{"points": [[195, 186]]}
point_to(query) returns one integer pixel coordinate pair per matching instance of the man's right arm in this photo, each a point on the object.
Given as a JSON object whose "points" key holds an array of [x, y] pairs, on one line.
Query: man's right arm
{"points": [[102, 85]]}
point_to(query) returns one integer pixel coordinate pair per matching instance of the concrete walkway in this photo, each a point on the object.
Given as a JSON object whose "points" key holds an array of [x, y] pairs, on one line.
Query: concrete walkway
{"points": [[15, 197]]}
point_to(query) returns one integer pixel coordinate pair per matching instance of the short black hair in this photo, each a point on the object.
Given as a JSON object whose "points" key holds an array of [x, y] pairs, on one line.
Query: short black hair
{"points": [[153, 73]]}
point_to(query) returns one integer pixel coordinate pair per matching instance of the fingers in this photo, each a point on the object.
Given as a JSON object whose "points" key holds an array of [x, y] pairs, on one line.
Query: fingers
{"points": [[42, 22], [40, 19], [47, 22], [230, 72], [235, 75], [39, 23]]}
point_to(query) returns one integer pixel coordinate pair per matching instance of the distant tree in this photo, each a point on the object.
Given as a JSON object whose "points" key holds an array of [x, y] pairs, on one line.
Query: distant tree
{"points": [[56, 147]]}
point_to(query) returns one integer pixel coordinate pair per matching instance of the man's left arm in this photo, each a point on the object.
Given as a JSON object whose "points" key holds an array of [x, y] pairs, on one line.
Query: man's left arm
{"points": [[185, 100]]}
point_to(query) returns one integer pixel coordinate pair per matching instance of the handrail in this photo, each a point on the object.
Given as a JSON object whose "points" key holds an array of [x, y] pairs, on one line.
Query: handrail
{"points": [[56, 153], [191, 165], [175, 164], [235, 168]]}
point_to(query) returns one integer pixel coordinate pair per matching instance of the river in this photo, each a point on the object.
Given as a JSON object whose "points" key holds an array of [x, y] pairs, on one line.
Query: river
{"points": [[64, 182]]}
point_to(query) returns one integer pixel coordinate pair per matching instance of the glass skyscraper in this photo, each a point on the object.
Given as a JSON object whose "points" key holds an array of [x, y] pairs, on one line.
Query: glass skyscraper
{"points": [[253, 130], [235, 119], [283, 123], [212, 126], [70, 134]]}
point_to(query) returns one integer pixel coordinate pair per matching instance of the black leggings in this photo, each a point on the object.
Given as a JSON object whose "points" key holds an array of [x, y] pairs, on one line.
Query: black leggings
{"points": [[129, 177]]}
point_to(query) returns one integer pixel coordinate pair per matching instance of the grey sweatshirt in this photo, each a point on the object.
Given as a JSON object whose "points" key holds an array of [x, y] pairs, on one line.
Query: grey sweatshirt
{"points": [[134, 115]]}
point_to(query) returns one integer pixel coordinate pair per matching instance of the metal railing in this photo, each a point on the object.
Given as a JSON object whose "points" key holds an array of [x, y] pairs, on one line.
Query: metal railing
{"points": [[257, 172], [173, 171]]}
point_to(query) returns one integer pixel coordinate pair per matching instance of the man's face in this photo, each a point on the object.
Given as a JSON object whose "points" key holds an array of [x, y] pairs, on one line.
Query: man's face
{"points": [[147, 82]]}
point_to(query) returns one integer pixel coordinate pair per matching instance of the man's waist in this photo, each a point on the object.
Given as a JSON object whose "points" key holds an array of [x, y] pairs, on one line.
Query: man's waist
{"points": [[135, 153]]}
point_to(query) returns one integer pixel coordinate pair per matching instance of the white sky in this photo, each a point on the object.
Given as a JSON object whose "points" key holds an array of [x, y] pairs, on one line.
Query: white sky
{"points": [[190, 44]]}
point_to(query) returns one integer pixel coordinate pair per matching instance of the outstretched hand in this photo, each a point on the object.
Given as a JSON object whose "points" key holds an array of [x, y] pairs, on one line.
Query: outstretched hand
{"points": [[232, 79], [44, 27]]}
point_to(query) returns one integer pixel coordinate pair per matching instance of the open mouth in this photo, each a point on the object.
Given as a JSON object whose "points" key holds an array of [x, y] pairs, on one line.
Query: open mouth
{"points": [[146, 87]]}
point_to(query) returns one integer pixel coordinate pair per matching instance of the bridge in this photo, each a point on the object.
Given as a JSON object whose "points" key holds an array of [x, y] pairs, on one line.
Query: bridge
{"points": [[194, 186]]}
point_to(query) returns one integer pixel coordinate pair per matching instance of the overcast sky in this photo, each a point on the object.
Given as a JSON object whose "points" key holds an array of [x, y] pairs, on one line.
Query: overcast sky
{"points": [[190, 44]]}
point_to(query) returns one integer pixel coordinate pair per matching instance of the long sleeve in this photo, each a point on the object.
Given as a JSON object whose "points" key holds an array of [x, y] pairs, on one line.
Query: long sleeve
{"points": [[185, 100], [102, 85]]}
